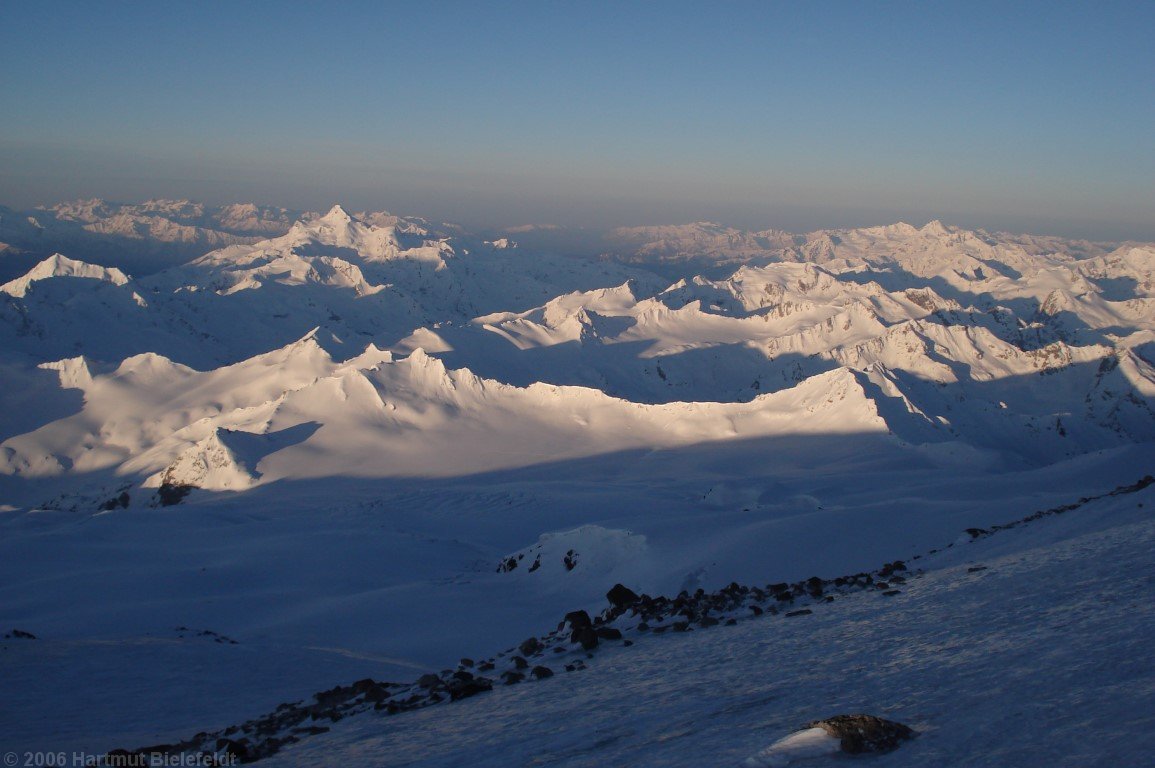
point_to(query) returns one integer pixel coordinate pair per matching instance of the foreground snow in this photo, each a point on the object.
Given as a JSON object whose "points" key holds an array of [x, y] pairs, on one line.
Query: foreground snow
{"points": [[314, 600], [1042, 658]]}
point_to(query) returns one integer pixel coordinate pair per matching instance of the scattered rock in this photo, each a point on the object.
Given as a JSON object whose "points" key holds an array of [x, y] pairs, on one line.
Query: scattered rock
{"points": [[541, 673], [800, 612], [19, 634]]}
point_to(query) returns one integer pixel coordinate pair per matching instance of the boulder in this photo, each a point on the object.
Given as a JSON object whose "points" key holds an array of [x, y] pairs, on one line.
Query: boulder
{"points": [[860, 734], [578, 619], [587, 636], [621, 596]]}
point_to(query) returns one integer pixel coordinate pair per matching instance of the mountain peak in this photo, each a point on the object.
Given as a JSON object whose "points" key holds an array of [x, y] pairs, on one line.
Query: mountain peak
{"points": [[337, 214], [59, 265]]}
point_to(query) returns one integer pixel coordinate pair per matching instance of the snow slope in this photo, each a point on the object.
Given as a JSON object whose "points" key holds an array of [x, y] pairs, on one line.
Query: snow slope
{"points": [[1040, 657]]}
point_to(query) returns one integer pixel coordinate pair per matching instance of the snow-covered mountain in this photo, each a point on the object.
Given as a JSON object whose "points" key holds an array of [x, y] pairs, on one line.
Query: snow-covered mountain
{"points": [[937, 336], [369, 416]]}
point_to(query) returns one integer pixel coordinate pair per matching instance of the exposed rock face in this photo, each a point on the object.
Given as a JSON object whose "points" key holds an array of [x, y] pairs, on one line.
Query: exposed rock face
{"points": [[864, 733]]}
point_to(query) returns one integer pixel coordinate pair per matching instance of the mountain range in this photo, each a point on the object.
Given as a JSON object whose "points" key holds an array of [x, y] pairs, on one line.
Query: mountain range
{"points": [[271, 450]]}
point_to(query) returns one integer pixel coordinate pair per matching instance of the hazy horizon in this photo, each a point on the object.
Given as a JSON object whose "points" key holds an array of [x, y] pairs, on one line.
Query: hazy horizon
{"points": [[1035, 118]]}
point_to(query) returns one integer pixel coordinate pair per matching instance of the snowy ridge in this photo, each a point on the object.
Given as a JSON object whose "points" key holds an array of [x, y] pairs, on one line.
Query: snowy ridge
{"points": [[62, 266]]}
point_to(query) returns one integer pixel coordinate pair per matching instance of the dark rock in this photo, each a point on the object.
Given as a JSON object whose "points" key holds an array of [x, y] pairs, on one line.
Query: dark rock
{"points": [[587, 636], [621, 596], [485, 666], [681, 626], [628, 643], [542, 673], [756, 610], [578, 619], [802, 612], [466, 662], [428, 681], [530, 647], [520, 663], [170, 494], [462, 689], [19, 634], [707, 621], [864, 733], [237, 751], [511, 677], [892, 592], [157, 749], [609, 633], [976, 568]]}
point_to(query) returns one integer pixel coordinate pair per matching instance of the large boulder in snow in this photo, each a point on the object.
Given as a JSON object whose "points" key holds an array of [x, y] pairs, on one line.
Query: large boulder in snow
{"points": [[621, 596], [864, 733]]}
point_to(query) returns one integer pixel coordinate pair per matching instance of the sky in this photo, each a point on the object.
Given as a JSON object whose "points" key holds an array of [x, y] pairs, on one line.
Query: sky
{"points": [[1028, 116]]}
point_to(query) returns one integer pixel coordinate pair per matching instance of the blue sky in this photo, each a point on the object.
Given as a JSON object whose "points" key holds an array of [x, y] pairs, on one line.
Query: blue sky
{"points": [[1034, 116]]}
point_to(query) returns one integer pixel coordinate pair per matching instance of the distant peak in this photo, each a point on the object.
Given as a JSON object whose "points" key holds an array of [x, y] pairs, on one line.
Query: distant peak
{"points": [[337, 213], [59, 265], [934, 227]]}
